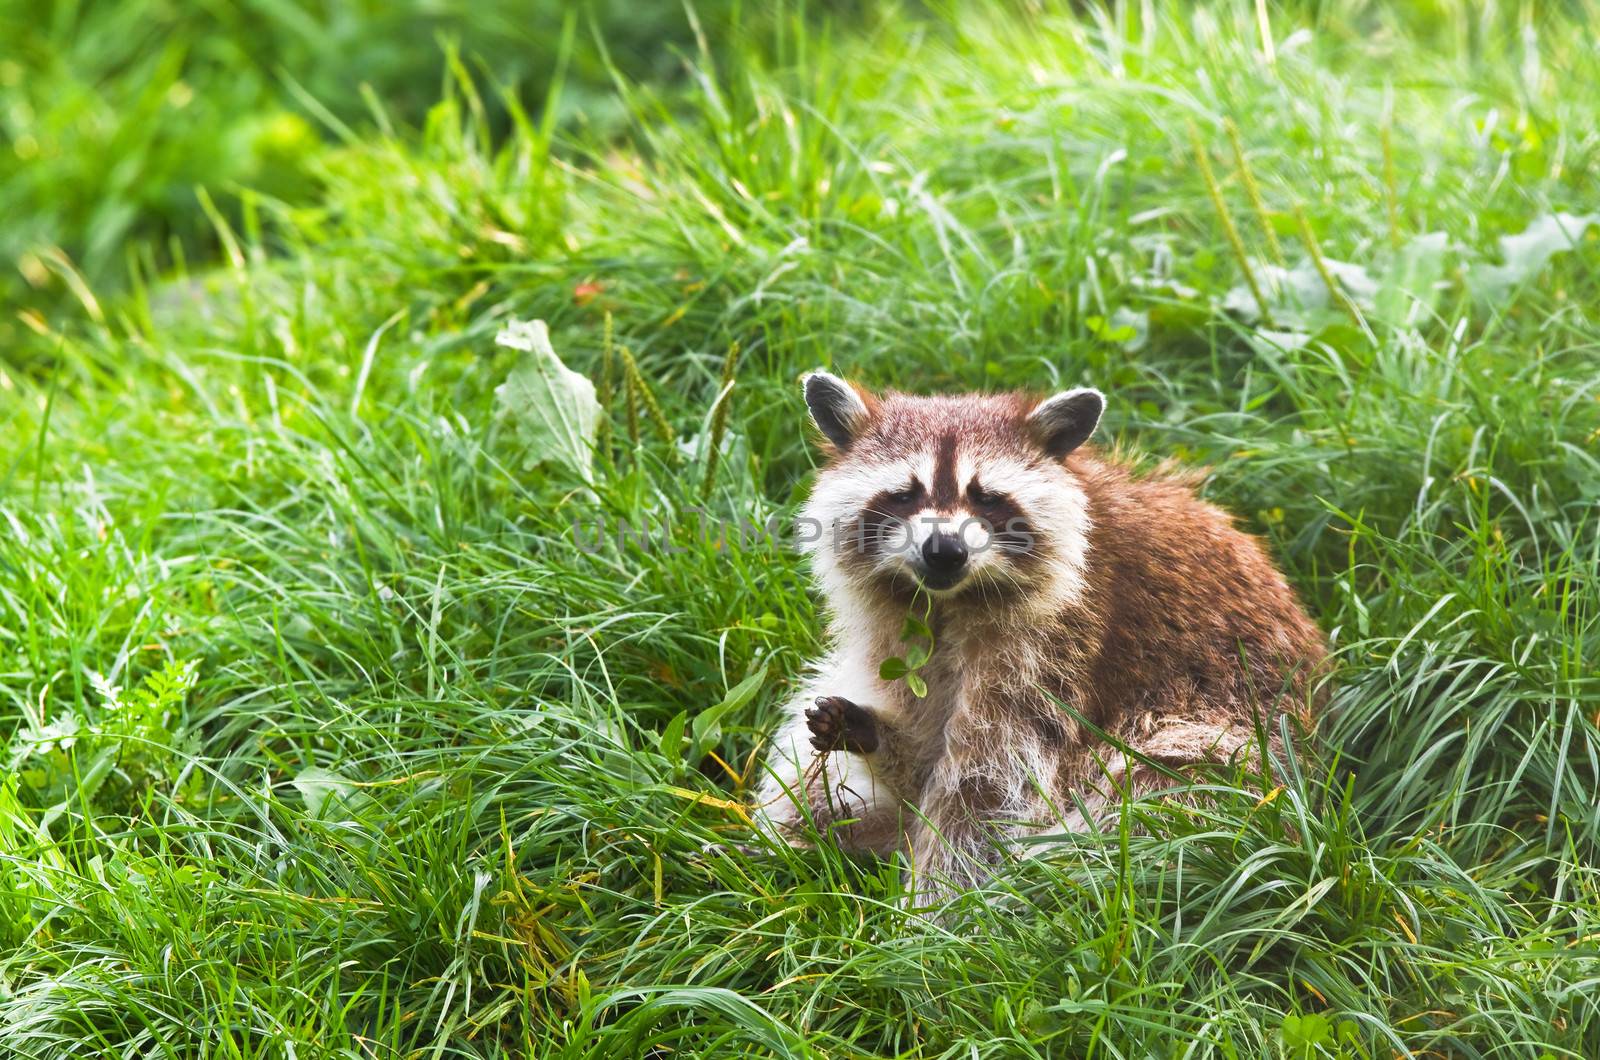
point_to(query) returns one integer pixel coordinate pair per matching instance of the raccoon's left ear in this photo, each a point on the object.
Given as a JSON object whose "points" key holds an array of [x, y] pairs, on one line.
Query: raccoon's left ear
{"points": [[1065, 421], [836, 408]]}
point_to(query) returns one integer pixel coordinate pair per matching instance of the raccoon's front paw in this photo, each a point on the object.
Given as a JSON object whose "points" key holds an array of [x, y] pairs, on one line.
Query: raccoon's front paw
{"points": [[837, 724]]}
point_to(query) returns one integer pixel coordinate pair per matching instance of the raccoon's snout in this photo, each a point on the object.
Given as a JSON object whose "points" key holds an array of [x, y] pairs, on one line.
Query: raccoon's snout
{"points": [[944, 557]]}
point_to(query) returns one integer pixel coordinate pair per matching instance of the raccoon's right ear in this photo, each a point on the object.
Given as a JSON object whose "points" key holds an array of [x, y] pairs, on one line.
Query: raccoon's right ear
{"points": [[836, 408]]}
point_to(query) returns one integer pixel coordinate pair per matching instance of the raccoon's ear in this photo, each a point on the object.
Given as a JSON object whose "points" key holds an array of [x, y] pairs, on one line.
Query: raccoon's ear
{"points": [[1065, 421], [836, 408]]}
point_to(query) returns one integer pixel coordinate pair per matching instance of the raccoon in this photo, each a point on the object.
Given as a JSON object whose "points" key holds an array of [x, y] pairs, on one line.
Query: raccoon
{"points": [[1046, 572]]}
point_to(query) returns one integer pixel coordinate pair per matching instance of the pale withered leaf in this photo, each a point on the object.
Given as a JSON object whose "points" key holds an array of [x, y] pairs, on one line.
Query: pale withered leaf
{"points": [[551, 409]]}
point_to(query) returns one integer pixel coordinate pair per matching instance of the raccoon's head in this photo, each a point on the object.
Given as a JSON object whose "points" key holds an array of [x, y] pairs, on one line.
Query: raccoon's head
{"points": [[964, 495]]}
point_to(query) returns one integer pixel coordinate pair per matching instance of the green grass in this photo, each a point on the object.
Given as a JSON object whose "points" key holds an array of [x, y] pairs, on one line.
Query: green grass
{"points": [[326, 737]]}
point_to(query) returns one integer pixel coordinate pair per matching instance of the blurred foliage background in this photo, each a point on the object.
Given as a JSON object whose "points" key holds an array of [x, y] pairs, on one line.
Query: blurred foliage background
{"points": [[115, 115]]}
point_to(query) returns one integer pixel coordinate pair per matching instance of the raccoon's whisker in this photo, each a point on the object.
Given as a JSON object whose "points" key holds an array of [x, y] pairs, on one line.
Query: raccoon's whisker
{"points": [[1011, 578], [990, 578], [983, 583], [878, 532]]}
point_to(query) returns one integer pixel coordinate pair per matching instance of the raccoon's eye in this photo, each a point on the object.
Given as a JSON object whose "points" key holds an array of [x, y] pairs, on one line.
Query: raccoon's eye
{"points": [[905, 496], [982, 497]]}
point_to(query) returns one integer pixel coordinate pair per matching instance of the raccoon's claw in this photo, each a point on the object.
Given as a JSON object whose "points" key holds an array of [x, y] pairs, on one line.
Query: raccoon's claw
{"points": [[837, 724], [826, 722]]}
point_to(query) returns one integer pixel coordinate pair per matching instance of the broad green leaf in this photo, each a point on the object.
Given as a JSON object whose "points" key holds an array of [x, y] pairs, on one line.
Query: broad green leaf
{"points": [[551, 409], [1298, 298], [88, 782], [672, 738], [1410, 286], [915, 626], [1526, 254], [1128, 328], [1303, 1032], [327, 794], [893, 668], [707, 724]]}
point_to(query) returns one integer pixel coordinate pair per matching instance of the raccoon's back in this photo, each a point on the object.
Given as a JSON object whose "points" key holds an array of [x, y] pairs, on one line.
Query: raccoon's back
{"points": [[1188, 607]]}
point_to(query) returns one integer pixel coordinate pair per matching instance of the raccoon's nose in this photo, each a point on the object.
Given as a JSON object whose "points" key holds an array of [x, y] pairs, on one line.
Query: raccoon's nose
{"points": [[944, 553]]}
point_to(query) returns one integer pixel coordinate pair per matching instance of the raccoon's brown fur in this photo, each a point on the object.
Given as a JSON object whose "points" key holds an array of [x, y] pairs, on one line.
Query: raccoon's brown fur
{"points": [[1123, 595]]}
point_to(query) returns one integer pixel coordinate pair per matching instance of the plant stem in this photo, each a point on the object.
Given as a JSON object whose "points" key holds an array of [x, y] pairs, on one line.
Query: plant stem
{"points": [[1335, 292], [1257, 203], [719, 419], [1228, 227]]}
